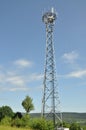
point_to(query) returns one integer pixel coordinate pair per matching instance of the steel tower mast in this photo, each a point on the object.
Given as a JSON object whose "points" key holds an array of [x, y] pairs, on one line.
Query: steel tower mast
{"points": [[50, 101]]}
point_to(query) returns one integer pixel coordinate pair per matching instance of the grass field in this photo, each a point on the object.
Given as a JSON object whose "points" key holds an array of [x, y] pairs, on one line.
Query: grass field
{"points": [[11, 128]]}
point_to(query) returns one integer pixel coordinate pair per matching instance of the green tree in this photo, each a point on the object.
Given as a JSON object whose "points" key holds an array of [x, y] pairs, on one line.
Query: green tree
{"points": [[27, 104], [75, 126], [5, 111]]}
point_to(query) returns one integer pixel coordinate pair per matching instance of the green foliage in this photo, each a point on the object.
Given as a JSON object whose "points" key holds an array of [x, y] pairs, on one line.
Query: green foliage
{"points": [[27, 104], [17, 114], [21, 122], [34, 123], [25, 120], [5, 111], [8, 118], [75, 126], [41, 124], [16, 122], [84, 128], [65, 124], [6, 121]]}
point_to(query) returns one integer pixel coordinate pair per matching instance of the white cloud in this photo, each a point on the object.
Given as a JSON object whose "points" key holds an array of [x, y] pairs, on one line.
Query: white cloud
{"points": [[23, 63], [13, 80], [74, 74], [70, 57], [13, 89], [77, 74], [16, 80], [22, 80], [2, 76]]}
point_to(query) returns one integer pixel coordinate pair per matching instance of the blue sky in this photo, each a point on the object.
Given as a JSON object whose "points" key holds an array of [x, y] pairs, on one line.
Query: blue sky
{"points": [[22, 52]]}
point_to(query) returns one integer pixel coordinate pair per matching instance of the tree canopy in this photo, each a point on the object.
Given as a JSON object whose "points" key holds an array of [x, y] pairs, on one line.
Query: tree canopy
{"points": [[27, 104], [5, 111]]}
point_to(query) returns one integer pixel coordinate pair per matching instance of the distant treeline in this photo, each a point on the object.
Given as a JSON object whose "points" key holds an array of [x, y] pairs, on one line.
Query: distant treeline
{"points": [[67, 116]]}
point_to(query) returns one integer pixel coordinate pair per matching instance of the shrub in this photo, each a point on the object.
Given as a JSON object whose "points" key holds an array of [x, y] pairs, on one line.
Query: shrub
{"points": [[21, 122], [6, 121], [25, 120], [16, 122], [41, 124], [75, 126]]}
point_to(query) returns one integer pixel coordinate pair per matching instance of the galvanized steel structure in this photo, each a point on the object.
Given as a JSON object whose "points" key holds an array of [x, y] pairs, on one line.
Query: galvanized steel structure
{"points": [[50, 102]]}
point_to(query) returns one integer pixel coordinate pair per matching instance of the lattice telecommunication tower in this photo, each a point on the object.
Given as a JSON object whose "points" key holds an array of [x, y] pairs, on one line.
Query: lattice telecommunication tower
{"points": [[50, 101]]}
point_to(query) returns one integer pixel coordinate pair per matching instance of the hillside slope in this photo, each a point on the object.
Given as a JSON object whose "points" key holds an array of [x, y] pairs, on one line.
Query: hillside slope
{"points": [[68, 116]]}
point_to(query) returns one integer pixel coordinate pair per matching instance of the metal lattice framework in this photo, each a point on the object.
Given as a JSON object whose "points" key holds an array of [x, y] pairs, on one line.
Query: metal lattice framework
{"points": [[50, 100]]}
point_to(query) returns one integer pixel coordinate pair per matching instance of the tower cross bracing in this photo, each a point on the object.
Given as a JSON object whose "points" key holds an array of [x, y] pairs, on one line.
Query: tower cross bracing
{"points": [[50, 100]]}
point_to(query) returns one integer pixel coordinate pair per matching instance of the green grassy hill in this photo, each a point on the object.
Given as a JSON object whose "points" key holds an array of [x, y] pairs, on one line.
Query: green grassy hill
{"points": [[68, 116]]}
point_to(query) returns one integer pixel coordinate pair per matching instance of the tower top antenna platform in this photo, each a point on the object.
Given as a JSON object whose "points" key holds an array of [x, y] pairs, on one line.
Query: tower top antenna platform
{"points": [[49, 17]]}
